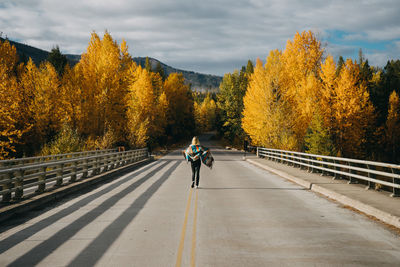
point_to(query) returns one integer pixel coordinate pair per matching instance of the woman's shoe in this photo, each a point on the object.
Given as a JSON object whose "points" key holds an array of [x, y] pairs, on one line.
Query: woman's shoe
{"points": [[192, 184]]}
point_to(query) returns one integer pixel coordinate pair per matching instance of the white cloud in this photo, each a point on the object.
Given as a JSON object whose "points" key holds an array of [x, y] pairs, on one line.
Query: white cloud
{"points": [[210, 36]]}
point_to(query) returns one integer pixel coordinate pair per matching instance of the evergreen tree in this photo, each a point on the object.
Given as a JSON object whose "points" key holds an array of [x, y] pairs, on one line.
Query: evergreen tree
{"points": [[318, 139], [392, 129], [230, 104], [160, 70], [339, 65], [390, 80], [58, 60], [147, 65], [250, 67]]}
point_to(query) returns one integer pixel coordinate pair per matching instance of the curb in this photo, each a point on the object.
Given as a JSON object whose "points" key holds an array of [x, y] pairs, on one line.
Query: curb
{"points": [[365, 208], [33, 202], [289, 177]]}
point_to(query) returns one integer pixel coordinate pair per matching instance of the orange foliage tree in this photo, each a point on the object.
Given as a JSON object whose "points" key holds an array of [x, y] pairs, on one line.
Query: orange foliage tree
{"points": [[347, 108], [301, 61], [12, 124], [103, 82], [266, 117]]}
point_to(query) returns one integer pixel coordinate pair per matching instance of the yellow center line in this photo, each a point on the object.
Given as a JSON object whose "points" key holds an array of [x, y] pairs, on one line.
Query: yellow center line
{"points": [[193, 254], [180, 249]]}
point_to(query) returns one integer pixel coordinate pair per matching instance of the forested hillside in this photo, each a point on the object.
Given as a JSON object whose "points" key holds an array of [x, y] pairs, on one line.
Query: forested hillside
{"points": [[198, 81]]}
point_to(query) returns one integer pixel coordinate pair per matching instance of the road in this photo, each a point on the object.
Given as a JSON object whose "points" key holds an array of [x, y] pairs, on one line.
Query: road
{"points": [[240, 216]]}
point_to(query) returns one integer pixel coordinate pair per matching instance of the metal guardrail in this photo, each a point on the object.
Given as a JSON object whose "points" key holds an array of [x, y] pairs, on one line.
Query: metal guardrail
{"points": [[34, 160], [15, 179], [354, 170]]}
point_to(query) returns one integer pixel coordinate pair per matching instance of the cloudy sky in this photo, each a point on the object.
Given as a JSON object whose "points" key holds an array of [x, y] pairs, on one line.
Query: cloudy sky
{"points": [[208, 36]]}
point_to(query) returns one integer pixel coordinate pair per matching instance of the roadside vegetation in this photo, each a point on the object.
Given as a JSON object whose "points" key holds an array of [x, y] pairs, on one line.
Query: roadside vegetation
{"points": [[299, 99]]}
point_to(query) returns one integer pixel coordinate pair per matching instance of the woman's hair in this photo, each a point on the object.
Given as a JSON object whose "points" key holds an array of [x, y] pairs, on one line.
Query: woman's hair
{"points": [[195, 141]]}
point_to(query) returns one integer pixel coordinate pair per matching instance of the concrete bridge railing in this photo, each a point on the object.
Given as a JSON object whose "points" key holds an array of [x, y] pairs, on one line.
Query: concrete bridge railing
{"points": [[14, 179], [370, 172]]}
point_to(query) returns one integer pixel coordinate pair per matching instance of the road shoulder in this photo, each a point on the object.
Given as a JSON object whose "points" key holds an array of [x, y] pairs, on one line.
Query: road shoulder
{"points": [[370, 202]]}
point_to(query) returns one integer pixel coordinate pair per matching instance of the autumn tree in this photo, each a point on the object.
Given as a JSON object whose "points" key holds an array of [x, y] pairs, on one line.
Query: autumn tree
{"points": [[140, 101], [352, 112], [42, 99], [180, 114], [265, 113], [205, 114], [103, 83], [145, 110], [12, 123], [300, 80], [71, 96]]}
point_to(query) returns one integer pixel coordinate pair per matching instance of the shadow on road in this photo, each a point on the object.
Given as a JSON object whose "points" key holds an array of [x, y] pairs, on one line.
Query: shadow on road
{"points": [[250, 188], [44, 249], [24, 234]]}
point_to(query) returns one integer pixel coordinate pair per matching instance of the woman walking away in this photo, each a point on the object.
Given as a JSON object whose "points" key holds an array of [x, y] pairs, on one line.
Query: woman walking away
{"points": [[196, 153]]}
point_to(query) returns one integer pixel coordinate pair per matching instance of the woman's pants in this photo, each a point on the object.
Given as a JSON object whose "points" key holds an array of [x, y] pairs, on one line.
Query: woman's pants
{"points": [[196, 171]]}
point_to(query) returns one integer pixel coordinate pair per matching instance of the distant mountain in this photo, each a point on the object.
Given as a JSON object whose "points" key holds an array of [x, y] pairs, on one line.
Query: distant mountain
{"points": [[198, 81]]}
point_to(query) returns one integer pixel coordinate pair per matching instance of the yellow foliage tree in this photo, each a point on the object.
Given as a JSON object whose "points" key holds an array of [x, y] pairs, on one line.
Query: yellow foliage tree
{"points": [[103, 82], [72, 96], [142, 108], [205, 114], [47, 109], [12, 125], [328, 88], [42, 99], [180, 107], [266, 116], [352, 111], [300, 80]]}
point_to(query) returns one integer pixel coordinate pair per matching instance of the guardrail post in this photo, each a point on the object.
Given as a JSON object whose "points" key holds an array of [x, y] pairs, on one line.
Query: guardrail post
{"points": [[311, 168], [299, 165], [42, 178], [120, 160], [396, 191], [106, 161], [371, 185], [131, 157], [110, 162], [335, 175], [257, 153], [59, 174], [8, 185], [74, 171], [19, 182], [351, 179], [85, 168], [323, 172], [96, 168]]}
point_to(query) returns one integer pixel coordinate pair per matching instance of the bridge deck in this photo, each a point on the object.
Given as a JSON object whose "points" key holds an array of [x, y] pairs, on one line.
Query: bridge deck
{"points": [[240, 216]]}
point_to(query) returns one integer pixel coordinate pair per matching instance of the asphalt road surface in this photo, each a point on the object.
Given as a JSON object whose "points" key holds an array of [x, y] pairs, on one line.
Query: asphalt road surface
{"points": [[240, 216]]}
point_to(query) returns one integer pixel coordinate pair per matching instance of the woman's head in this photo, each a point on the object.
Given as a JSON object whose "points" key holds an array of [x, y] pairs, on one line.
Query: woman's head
{"points": [[195, 141]]}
